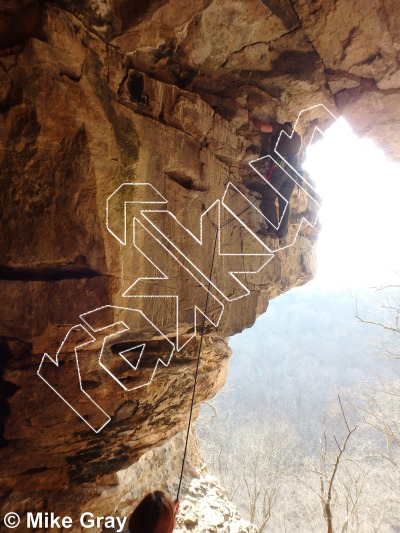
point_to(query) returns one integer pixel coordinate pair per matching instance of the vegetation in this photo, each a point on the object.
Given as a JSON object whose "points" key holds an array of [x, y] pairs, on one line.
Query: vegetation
{"points": [[291, 466]]}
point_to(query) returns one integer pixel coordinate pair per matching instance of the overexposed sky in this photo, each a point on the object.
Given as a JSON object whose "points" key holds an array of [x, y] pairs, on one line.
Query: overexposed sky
{"points": [[360, 238]]}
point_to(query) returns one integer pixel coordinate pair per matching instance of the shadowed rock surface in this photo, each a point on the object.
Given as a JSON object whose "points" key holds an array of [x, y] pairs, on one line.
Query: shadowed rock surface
{"points": [[97, 94]]}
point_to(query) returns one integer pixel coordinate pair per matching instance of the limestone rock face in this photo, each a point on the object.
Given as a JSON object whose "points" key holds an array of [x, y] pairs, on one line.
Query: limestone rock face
{"points": [[207, 508], [115, 110]]}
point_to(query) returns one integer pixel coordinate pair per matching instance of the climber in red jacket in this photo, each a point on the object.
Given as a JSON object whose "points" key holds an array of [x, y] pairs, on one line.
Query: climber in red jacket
{"points": [[289, 149]]}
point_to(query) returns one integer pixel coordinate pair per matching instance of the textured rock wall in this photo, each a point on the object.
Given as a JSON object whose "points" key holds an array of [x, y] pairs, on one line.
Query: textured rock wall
{"points": [[97, 94]]}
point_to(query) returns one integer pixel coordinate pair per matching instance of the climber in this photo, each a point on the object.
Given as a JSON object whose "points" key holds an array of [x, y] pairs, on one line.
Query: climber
{"points": [[154, 514], [289, 148]]}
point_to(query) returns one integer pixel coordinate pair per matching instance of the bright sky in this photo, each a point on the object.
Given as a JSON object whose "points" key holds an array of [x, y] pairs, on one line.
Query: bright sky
{"points": [[360, 189]]}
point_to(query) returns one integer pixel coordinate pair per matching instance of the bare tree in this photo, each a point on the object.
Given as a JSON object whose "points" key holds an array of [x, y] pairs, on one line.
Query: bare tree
{"points": [[268, 461], [327, 481], [386, 318], [332, 454], [380, 401], [353, 476], [253, 463]]}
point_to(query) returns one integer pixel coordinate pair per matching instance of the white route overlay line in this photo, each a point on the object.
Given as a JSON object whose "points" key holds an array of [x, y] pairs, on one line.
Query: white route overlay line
{"points": [[46, 358], [199, 241], [159, 199], [316, 130], [253, 206], [127, 328], [164, 276], [303, 219], [270, 185], [135, 367], [252, 164]]}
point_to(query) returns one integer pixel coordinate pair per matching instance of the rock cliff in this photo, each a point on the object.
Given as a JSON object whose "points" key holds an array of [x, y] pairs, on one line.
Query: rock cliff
{"points": [[112, 110]]}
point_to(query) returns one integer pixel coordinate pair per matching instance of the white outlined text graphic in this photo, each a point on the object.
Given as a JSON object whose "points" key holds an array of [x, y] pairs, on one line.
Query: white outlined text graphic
{"points": [[156, 234]]}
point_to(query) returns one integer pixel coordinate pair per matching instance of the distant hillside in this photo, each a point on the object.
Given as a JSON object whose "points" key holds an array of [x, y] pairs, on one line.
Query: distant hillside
{"points": [[296, 357]]}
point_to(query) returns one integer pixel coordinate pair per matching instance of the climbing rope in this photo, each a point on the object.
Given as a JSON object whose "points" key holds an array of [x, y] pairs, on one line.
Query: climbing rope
{"points": [[201, 341], [197, 366], [233, 218]]}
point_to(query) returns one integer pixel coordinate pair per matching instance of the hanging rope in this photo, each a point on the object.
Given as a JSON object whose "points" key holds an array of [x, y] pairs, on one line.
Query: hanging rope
{"points": [[233, 218], [197, 366], [201, 342]]}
